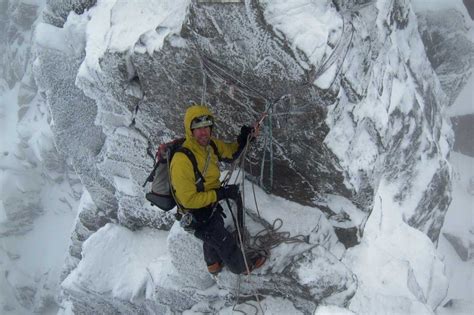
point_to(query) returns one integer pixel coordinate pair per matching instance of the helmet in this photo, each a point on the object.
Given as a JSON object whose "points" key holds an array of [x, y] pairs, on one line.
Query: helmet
{"points": [[202, 121]]}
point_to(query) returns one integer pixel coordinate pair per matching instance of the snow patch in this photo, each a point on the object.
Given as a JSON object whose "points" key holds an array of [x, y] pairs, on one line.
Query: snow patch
{"points": [[308, 25], [120, 258], [117, 25], [420, 284], [464, 103], [3, 214]]}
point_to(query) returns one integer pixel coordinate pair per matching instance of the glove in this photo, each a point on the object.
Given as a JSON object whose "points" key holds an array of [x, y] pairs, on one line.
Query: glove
{"points": [[245, 131], [228, 192]]}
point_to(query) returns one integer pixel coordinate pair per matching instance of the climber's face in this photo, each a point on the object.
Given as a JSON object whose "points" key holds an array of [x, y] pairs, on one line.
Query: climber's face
{"points": [[202, 135]]}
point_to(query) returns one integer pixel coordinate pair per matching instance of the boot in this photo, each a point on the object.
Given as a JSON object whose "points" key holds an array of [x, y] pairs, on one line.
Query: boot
{"points": [[215, 268], [255, 263]]}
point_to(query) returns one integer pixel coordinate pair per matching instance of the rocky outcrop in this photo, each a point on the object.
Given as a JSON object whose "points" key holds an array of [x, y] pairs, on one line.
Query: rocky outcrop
{"points": [[307, 273], [134, 101], [464, 248], [448, 47], [360, 106]]}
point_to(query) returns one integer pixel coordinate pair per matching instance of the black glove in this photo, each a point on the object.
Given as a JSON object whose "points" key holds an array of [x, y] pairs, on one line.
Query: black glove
{"points": [[228, 192], [245, 131]]}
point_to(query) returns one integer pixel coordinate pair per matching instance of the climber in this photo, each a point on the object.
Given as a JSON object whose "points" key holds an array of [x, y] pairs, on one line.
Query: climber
{"points": [[199, 202]]}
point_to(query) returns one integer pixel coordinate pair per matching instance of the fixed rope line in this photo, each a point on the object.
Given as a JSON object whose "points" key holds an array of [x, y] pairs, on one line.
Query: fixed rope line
{"points": [[220, 70], [272, 238], [270, 145], [204, 85], [269, 237]]}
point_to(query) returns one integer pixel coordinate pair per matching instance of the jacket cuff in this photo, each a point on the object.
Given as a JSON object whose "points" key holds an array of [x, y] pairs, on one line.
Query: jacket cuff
{"points": [[216, 192]]}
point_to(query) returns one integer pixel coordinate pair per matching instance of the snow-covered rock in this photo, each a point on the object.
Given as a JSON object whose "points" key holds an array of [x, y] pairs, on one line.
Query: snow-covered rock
{"points": [[139, 81], [395, 279], [448, 34], [353, 102], [173, 276]]}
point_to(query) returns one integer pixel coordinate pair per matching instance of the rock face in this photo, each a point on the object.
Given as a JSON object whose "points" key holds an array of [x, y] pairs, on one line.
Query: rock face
{"points": [[141, 94], [448, 48], [361, 105], [463, 127]]}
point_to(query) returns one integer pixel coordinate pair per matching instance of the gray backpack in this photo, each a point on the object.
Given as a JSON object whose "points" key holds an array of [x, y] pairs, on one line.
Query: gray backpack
{"points": [[161, 194]]}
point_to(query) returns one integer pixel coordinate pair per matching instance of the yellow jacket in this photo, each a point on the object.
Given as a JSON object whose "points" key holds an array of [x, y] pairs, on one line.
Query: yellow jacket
{"points": [[181, 168]]}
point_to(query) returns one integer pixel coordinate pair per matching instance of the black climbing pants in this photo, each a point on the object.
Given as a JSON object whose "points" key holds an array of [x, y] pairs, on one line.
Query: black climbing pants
{"points": [[219, 244]]}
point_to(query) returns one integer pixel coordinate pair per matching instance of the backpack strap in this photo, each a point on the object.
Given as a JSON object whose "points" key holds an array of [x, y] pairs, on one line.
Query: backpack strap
{"points": [[216, 152], [197, 174]]}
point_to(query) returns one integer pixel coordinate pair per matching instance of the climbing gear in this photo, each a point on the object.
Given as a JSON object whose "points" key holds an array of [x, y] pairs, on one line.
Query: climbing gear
{"points": [[188, 222], [161, 194]]}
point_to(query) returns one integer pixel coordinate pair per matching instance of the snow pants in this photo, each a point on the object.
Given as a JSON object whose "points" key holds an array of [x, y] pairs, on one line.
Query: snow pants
{"points": [[219, 245]]}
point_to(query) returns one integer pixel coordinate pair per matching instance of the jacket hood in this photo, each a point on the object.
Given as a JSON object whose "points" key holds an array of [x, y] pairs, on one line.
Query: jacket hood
{"points": [[191, 113]]}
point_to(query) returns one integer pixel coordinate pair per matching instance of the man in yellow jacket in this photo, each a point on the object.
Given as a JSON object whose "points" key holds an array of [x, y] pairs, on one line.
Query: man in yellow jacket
{"points": [[201, 200]]}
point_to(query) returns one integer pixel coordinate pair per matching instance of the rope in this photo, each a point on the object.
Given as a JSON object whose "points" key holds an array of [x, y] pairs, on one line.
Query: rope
{"points": [[204, 85], [270, 146], [269, 237], [265, 240]]}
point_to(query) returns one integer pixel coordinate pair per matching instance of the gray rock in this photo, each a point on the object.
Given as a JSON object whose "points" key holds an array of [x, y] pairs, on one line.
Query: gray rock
{"points": [[305, 273], [464, 248], [448, 47]]}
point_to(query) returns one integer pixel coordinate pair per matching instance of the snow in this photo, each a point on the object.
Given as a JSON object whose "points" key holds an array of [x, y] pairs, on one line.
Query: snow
{"points": [[118, 25], [124, 185], [420, 273], [341, 205], [129, 262], [464, 103], [120, 258], [32, 255], [296, 219], [459, 221], [325, 80], [309, 26], [269, 306], [3, 214], [8, 122], [332, 310], [43, 249], [439, 5], [425, 5], [50, 36]]}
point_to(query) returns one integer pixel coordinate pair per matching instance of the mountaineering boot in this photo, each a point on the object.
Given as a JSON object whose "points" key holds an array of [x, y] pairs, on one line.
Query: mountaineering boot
{"points": [[215, 268], [255, 263]]}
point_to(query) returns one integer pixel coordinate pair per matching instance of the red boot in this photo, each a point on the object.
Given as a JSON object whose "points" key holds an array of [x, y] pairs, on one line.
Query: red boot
{"points": [[215, 268], [256, 262]]}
